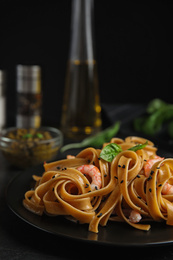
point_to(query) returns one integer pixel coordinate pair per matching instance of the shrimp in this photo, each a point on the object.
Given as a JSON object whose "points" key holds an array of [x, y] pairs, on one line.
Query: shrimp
{"points": [[94, 173], [150, 163], [167, 188], [135, 216], [70, 156]]}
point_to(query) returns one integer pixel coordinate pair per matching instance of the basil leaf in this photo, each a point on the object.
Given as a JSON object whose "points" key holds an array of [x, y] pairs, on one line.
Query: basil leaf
{"points": [[158, 112], [138, 147], [154, 105], [96, 140], [109, 152]]}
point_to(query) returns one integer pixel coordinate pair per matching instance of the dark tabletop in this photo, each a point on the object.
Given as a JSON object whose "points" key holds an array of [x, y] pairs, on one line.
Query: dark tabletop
{"points": [[19, 240]]}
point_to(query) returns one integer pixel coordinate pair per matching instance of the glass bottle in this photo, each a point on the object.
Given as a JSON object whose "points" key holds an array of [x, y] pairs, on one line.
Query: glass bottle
{"points": [[81, 110]]}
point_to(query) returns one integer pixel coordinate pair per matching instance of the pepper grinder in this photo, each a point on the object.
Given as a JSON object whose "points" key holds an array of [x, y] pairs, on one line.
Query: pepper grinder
{"points": [[29, 96]]}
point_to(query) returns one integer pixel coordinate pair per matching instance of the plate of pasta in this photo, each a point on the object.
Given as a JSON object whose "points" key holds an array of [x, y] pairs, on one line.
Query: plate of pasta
{"points": [[121, 194]]}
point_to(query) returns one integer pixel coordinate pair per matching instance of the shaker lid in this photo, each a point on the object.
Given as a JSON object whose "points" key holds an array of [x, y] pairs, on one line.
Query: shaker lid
{"points": [[28, 78]]}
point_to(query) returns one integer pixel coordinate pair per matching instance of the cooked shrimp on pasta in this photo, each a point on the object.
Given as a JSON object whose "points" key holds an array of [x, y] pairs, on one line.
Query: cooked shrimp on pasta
{"points": [[124, 181]]}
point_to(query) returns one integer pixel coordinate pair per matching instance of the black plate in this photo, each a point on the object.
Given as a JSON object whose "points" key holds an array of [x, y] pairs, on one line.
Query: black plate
{"points": [[115, 234]]}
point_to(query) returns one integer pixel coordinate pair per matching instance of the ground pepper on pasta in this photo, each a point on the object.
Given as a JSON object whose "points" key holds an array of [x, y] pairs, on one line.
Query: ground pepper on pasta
{"points": [[135, 187]]}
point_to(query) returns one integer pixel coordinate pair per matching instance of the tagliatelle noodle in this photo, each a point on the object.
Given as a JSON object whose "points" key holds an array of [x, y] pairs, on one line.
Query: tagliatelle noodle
{"points": [[64, 190]]}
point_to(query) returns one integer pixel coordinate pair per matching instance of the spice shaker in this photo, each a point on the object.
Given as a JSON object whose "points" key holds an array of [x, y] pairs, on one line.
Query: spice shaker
{"points": [[29, 96], [2, 100]]}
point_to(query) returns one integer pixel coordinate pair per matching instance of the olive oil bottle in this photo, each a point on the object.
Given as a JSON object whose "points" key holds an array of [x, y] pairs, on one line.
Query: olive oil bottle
{"points": [[81, 110]]}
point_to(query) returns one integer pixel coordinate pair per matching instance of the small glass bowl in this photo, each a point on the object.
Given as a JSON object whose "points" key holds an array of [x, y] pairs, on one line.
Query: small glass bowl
{"points": [[27, 152]]}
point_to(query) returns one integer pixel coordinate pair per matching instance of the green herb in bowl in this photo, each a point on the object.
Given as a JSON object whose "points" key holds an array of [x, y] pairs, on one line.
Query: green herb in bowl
{"points": [[26, 147]]}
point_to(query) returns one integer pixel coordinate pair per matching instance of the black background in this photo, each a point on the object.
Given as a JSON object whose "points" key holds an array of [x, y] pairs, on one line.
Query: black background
{"points": [[133, 49]]}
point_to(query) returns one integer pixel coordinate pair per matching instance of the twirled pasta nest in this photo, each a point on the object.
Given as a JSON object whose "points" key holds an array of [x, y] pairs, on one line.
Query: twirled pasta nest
{"points": [[127, 191]]}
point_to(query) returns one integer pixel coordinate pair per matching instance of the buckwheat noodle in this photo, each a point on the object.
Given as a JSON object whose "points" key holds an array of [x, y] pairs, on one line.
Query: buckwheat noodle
{"points": [[125, 187]]}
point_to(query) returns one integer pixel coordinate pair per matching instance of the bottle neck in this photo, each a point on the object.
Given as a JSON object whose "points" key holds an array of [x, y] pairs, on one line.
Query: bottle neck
{"points": [[82, 26]]}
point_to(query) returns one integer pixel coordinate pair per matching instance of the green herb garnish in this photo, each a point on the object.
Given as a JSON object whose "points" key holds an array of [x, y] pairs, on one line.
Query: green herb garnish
{"points": [[138, 147], [111, 150], [96, 140]]}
